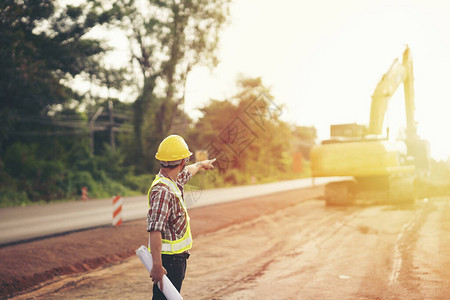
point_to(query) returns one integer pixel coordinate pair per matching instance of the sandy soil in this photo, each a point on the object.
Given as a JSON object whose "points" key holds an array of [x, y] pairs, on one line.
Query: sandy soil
{"points": [[299, 250], [26, 265]]}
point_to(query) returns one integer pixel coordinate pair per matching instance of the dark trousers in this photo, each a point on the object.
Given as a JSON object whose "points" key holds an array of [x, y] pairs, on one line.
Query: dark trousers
{"points": [[176, 269]]}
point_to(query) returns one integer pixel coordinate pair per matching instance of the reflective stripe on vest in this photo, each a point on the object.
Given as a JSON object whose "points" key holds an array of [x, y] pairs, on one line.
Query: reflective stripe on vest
{"points": [[185, 243]]}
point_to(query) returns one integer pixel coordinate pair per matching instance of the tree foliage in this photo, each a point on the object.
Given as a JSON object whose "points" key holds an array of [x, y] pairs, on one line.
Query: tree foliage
{"points": [[246, 136], [46, 124], [168, 39], [42, 136], [43, 47]]}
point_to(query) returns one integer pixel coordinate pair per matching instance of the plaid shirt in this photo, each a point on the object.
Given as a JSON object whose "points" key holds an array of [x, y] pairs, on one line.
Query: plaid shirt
{"points": [[166, 214]]}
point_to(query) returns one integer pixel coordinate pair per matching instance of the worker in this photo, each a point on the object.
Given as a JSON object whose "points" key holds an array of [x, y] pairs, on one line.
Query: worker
{"points": [[167, 219]]}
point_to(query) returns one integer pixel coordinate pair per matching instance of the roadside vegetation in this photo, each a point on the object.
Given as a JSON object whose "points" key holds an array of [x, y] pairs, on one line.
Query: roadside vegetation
{"points": [[56, 139]]}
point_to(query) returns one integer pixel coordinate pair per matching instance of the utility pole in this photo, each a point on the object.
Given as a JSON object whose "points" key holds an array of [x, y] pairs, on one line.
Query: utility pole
{"points": [[92, 129], [112, 140]]}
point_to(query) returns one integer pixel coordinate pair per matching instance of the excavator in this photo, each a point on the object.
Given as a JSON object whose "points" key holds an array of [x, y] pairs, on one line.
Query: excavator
{"points": [[381, 170]]}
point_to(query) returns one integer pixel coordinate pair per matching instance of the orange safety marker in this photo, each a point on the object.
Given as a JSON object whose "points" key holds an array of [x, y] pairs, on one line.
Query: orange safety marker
{"points": [[84, 193], [117, 211]]}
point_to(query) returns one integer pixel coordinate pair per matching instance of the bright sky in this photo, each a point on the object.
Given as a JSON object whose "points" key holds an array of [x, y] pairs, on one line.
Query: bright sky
{"points": [[323, 59]]}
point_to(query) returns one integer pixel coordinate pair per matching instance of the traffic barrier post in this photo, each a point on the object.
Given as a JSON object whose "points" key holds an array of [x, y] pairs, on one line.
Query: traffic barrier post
{"points": [[117, 211], [84, 193]]}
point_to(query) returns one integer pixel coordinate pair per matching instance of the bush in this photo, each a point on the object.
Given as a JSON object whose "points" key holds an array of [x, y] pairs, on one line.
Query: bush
{"points": [[111, 162], [110, 187], [103, 188], [80, 179], [12, 197], [140, 183]]}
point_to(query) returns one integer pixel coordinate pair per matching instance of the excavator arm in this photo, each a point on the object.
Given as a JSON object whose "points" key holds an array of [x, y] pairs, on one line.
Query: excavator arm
{"points": [[408, 85], [398, 73]]}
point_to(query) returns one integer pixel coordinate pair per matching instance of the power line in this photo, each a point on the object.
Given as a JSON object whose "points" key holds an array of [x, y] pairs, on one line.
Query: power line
{"points": [[80, 125], [48, 133]]}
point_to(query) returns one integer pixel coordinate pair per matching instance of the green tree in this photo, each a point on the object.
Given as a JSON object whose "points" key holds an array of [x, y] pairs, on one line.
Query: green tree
{"points": [[246, 135], [304, 138], [168, 39], [44, 46]]}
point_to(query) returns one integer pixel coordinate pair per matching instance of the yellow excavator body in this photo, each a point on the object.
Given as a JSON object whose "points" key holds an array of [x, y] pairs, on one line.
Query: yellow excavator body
{"points": [[359, 159], [379, 166]]}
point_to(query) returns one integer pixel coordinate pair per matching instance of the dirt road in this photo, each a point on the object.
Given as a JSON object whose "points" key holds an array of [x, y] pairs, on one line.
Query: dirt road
{"points": [[301, 251]]}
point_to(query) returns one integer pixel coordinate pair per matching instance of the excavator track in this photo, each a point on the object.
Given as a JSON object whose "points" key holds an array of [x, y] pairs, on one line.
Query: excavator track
{"points": [[395, 189]]}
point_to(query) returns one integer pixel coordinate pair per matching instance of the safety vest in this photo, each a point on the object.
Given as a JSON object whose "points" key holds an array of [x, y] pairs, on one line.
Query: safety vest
{"points": [[184, 243]]}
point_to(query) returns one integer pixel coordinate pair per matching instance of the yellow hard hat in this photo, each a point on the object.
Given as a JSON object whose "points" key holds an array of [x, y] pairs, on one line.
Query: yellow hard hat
{"points": [[172, 148]]}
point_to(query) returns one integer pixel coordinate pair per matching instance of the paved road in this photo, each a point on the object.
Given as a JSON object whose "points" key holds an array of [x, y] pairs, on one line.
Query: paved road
{"points": [[24, 223]]}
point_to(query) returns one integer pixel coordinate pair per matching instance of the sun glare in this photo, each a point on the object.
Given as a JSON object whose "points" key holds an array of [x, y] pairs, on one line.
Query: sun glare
{"points": [[324, 64]]}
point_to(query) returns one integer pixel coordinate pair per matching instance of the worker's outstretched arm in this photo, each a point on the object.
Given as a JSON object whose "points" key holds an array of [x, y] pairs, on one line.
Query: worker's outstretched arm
{"points": [[158, 270], [201, 165]]}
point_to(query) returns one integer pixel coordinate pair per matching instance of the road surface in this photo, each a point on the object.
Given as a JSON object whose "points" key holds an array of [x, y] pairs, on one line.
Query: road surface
{"points": [[23, 223], [304, 251]]}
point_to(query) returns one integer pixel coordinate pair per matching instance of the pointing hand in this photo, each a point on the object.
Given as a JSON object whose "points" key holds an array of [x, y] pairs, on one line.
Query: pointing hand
{"points": [[208, 164]]}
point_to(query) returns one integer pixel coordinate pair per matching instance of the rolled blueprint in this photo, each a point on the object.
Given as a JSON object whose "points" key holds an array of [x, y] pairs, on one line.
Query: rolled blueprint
{"points": [[169, 290]]}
